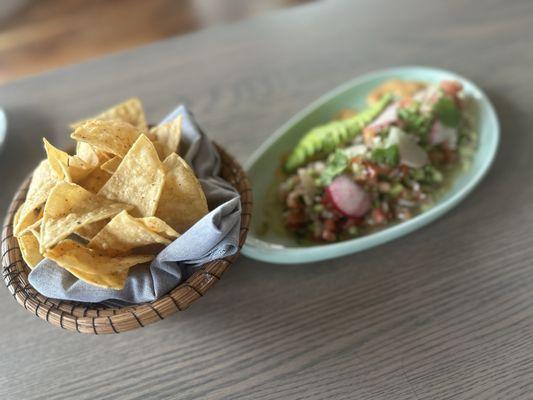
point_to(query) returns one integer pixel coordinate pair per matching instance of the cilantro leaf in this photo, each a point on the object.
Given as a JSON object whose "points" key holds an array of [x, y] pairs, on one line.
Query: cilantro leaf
{"points": [[389, 156], [336, 164], [415, 121], [447, 112]]}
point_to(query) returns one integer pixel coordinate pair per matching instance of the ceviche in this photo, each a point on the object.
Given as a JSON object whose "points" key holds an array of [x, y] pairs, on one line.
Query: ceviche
{"points": [[385, 164]]}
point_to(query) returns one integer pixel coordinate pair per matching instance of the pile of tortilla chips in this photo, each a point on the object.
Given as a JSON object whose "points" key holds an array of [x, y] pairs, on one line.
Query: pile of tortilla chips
{"points": [[116, 203]]}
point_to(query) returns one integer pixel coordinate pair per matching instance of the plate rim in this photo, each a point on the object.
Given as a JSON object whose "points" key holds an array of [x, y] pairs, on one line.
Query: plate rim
{"points": [[321, 252], [3, 127]]}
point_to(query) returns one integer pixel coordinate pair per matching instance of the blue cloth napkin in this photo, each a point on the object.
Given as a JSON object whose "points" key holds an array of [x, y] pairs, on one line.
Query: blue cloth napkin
{"points": [[215, 236]]}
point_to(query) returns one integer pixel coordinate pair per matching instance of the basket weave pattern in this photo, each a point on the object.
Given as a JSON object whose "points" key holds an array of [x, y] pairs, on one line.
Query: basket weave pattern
{"points": [[99, 318]]}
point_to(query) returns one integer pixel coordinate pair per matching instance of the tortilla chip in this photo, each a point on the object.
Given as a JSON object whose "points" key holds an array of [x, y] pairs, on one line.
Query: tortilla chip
{"points": [[150, 136], [138, 179], [111, 165], [42, 182], [69, 207], [33, 222], [130, 111], [160, 148], [95, 180], [34, 229], [58, 160], [29, 248], [112, 136], [124, 233], [167, 137], [90, 155], [66, 167], [159, 226], [87, 232], [183, 201], [71, 254], [398, 87]]}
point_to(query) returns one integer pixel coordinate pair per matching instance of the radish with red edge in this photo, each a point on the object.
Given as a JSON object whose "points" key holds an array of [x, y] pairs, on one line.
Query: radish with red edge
{"points": [[443, 134], [387, 117], [348, 197]]}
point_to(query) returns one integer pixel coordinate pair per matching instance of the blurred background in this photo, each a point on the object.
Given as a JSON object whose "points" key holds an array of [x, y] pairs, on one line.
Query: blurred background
{"points": [[38, 35]]}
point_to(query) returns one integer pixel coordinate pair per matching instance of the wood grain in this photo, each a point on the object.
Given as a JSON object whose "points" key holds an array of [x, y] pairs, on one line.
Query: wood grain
{"points": [[48, 34], [444, 313]]}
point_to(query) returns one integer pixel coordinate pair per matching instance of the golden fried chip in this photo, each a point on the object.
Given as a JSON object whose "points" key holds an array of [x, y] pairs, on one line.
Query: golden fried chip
{"points": [[138, 179], [71, 254], [58, 160], [29, 248], [183, 201], [124, 233], [150, 136], [34, 229], [33, 219], [87, 232], [111, 165], [35, 226], [95, 180], [69, 207], [159, 226], [160, 148], [42, 182], [167, 136], [67, 168], [398, 87], [130, 111], [90, 155], [112, 136]]}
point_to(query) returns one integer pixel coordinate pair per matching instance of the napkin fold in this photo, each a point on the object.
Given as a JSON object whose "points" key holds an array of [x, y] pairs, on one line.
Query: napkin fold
{"points": [[215, 236]]}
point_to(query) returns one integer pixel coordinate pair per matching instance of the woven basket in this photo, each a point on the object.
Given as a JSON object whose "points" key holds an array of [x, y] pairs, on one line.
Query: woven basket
{"points": [[97, 318]]}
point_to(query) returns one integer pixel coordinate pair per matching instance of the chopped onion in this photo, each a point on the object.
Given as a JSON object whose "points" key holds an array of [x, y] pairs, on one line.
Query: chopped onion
{"points": [[411, 154]]}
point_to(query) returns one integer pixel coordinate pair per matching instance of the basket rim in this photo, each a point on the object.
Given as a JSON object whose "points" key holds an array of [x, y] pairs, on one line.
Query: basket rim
{"points": [[101, 318]]}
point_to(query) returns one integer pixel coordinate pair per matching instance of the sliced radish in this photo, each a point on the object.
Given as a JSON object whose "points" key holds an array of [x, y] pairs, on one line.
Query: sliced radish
{"points": [[387, 117], [348, 197], [443, 134]]}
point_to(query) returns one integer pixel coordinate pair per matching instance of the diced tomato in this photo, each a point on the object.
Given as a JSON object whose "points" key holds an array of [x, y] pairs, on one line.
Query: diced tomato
{"points": [[328, 236], [379, 216], [356, 159], [293, 200], [374, 170], [404, 171], [295, 218], [406, 102], [449, 155], [451, 88], [368, 135], [352, 222], [329, 229], [329, 225], [436, 156]]}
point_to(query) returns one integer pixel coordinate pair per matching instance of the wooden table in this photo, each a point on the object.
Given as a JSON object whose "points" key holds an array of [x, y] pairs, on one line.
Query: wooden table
{"points": [[444, 313]]}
